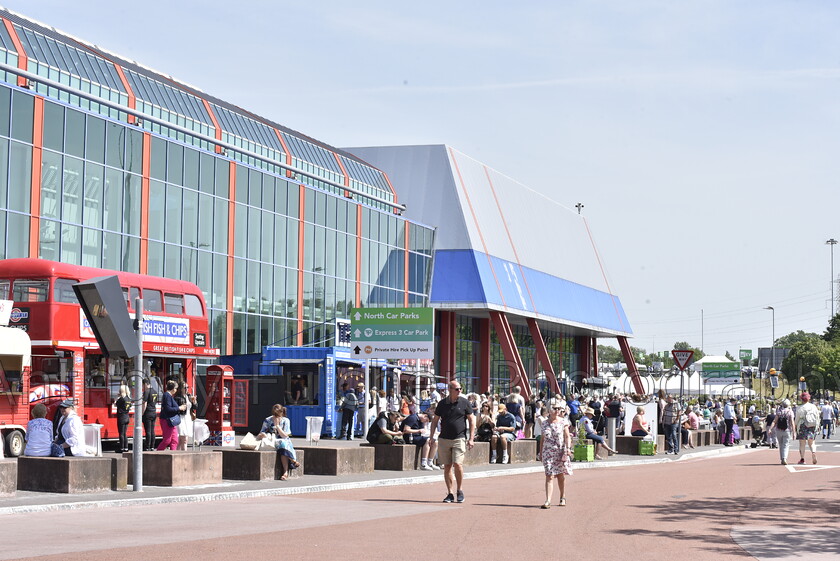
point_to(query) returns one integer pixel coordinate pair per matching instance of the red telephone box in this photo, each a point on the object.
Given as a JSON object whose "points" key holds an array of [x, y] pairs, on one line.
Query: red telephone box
{"points": [[227, 408]]}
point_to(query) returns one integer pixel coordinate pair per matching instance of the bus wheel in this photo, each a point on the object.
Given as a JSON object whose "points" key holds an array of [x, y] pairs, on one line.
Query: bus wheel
{"points": [[14, 444]]}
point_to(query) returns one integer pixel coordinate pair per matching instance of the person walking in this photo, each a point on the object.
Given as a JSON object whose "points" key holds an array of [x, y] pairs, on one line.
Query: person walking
{"points": [[806, 421], [123, 406], [556, 451], [149, 416], [782, 426], [349, 404], [457, 434]]}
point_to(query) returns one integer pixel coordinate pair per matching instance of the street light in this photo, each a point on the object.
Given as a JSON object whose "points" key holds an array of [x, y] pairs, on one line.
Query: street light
{"points": [[832, 242], [773, 346]]}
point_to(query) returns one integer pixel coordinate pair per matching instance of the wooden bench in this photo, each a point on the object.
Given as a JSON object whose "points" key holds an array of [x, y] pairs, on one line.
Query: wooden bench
{"points": [[702, 437], [8, 477], [630, 444], [521, 451], [325, 460], [177, 468], [69, 474], [395, 457], [257, 465]]}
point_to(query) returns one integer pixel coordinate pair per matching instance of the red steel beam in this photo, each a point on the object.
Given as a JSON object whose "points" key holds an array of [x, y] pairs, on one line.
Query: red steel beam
{"points": [[512, 356], [542, 354], [624, 345]]}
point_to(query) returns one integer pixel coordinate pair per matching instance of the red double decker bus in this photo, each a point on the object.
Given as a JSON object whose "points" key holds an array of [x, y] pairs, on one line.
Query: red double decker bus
{"points": [[66, 359]]}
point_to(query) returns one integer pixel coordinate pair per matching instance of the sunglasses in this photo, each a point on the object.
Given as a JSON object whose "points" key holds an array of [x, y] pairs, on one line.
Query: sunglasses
{"points": [[557, 408]]}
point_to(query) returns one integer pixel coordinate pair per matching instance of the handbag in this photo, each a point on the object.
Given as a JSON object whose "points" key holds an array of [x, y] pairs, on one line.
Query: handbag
{"points": [[174, 420], [249, 442], [269, 441]]}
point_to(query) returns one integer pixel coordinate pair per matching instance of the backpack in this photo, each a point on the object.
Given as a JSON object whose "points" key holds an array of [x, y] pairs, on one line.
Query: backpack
{"points": [[782, 423], [812, 416]]}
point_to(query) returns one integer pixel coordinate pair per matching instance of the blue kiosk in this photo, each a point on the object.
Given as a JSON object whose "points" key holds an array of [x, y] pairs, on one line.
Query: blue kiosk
{"points": [[307, 380]]}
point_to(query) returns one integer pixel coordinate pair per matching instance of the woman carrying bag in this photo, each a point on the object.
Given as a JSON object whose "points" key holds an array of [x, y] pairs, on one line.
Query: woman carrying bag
{"points": [[278, 425]]}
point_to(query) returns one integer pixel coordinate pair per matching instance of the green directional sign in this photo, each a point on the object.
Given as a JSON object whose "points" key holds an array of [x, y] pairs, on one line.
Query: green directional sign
{"points": [[745, 354], [394, 333]]}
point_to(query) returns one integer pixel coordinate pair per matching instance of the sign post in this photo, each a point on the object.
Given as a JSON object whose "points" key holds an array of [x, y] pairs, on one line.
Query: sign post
{"points": [[396, 333], [681, 359]]}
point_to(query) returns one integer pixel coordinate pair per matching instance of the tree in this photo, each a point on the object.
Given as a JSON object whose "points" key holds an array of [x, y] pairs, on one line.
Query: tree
{"points": [[806, 358], [729, 356], [789, 340], [832, 333], [684, 346], [608, 354]]}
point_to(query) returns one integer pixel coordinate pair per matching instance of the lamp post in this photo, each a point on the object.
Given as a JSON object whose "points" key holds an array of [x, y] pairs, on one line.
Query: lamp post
{"points": [[773, 346], [831, 243]]}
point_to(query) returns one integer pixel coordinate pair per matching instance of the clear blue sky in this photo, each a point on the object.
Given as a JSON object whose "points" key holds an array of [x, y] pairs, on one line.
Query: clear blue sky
{"points": [[702, 137]]}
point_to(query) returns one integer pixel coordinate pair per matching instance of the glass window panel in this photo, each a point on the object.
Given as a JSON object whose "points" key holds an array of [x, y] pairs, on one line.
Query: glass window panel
{"points": [[267, 237], [294, 201], [51, 184], [281, 202], [252, 334], [266, 284], [222, 178], [307, 295], [252, 287], [23, 111], [207, 173], [91, 247], [157, 207], [173, 214], [205, 221], [95, 140], [4, 169], [111, 250], [71, 244], [340, 299], [292, 249], [131, 255], [133, 150], [189, 264], [192, 305], [190, 168], [156, 259], [220, 268], [320, 251], [204, 275], [189, 224], [131, 204], [329, 297], [71, 208], [16, 246], [330, 218], [114, 144], [329, 252], [240, 237], [173, 303], [341, 215], [279, 237], [241, 184], [279, 291], [220, 231], [350, 257], [30, 290], [158, 159], [48, 239], [309, 203], [172, 261], [53, 126], [5, 110], [254, 188], [92, 212], [267, 192], [238, 334], [175, 164], [309, 247], [152, 300], [218, 338], [20, 177], [74, 133], [112, 199], [239, 286], [254, 233], [291, 293]]}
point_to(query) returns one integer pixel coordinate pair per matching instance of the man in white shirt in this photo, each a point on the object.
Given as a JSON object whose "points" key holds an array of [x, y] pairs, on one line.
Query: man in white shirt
{"points": [[827, 420], [70, 434], [729, 420]]}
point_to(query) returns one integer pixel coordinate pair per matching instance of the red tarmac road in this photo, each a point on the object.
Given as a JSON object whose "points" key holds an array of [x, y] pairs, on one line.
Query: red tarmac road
{"points": [[745, 506]]}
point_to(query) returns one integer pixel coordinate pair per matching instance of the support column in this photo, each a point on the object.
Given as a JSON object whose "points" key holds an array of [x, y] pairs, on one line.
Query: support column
{"points": [[624, 345], [485, 353], [506, 339], [542, 354], [446, 341]]}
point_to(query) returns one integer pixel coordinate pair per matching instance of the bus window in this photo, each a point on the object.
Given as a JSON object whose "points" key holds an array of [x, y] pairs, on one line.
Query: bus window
{"points": [[193, 305], [130, 294], [30, 290], [152, 301], [174, 303], [63, 291], [4, 289]]}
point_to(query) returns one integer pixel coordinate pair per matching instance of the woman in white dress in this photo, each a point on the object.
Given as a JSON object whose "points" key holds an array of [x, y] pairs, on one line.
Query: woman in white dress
{"points": [[186, 429]]}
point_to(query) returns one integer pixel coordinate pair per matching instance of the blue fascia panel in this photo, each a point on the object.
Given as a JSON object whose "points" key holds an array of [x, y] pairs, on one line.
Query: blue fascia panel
{"points": [[466, 276]]}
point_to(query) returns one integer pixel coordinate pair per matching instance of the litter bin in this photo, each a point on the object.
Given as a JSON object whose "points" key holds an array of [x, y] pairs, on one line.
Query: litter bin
{"points": [[313, 428], [93, 439], [201, 432]]}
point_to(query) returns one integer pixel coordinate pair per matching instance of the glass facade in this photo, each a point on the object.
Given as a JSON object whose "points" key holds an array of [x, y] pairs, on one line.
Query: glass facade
{"points": [[276, 252]]}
